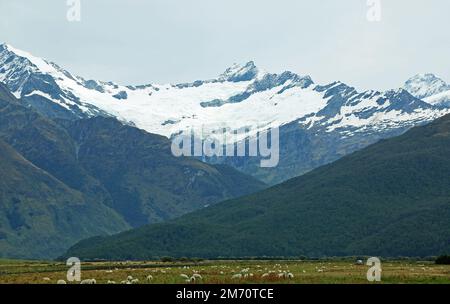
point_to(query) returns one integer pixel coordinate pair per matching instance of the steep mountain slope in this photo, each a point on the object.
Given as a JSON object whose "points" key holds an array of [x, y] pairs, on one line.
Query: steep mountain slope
{"points": [[430, 88], [5, 95], [48, 146], [308, 115], [389, 199], [124, 176], [40, 216], [349, 122], [35, 82], [147, 184]]}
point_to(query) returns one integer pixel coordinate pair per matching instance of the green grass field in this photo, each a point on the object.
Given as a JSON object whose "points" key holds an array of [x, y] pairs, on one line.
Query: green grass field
{"points": [[217, 272]]}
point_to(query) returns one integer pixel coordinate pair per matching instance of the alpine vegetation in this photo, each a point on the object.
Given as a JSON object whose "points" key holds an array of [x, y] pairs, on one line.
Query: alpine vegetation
{"points": [[92, 177], [375, 201]]}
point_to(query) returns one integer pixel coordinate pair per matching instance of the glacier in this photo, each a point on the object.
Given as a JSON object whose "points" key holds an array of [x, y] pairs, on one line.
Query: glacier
{"points": [[243, 96]]}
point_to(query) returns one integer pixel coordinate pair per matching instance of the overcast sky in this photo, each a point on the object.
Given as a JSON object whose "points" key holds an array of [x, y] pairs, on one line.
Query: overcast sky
{"points": [[143, 41]]}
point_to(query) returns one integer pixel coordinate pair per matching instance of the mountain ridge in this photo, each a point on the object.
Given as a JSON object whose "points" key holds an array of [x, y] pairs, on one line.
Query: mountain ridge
{"points": [[389, 199], [336, 114], [97, 184], [430, 88]]}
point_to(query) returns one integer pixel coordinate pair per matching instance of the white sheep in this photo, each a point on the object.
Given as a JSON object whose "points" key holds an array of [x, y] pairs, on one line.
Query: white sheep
{"points": [[89, 281], [184, 276], [237, 276], [134, 281], [61, 282], [285, 275], [197, 276], [149, 277], [111, 282]]}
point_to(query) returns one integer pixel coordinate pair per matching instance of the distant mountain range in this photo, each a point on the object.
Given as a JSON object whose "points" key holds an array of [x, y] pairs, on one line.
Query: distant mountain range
{"points": [[318, 123], [430, 88], [65, 180], [81, 158], [390, 199]]}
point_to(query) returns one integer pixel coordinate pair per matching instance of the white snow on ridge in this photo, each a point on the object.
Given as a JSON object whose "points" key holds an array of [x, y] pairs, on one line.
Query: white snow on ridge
{"points": [[387, 120], [41, 65], [440, 98], [64, 104], [427, 86], [169, 109]]}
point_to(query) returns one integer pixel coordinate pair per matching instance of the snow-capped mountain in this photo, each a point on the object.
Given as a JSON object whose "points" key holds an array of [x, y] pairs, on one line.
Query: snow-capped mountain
{"points": [[163, 109], [430, 88], [242, 96]]}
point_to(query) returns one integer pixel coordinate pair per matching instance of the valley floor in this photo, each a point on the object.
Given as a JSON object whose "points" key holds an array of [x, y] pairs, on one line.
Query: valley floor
{"points": [[222, 272]]}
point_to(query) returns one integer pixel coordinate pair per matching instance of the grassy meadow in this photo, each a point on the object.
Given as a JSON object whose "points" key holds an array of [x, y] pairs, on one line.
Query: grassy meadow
{"points": [[225, 272]]}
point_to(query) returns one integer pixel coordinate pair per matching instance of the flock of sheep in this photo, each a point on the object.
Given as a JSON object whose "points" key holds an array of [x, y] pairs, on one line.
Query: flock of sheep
{"points": [[276, 273]]}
